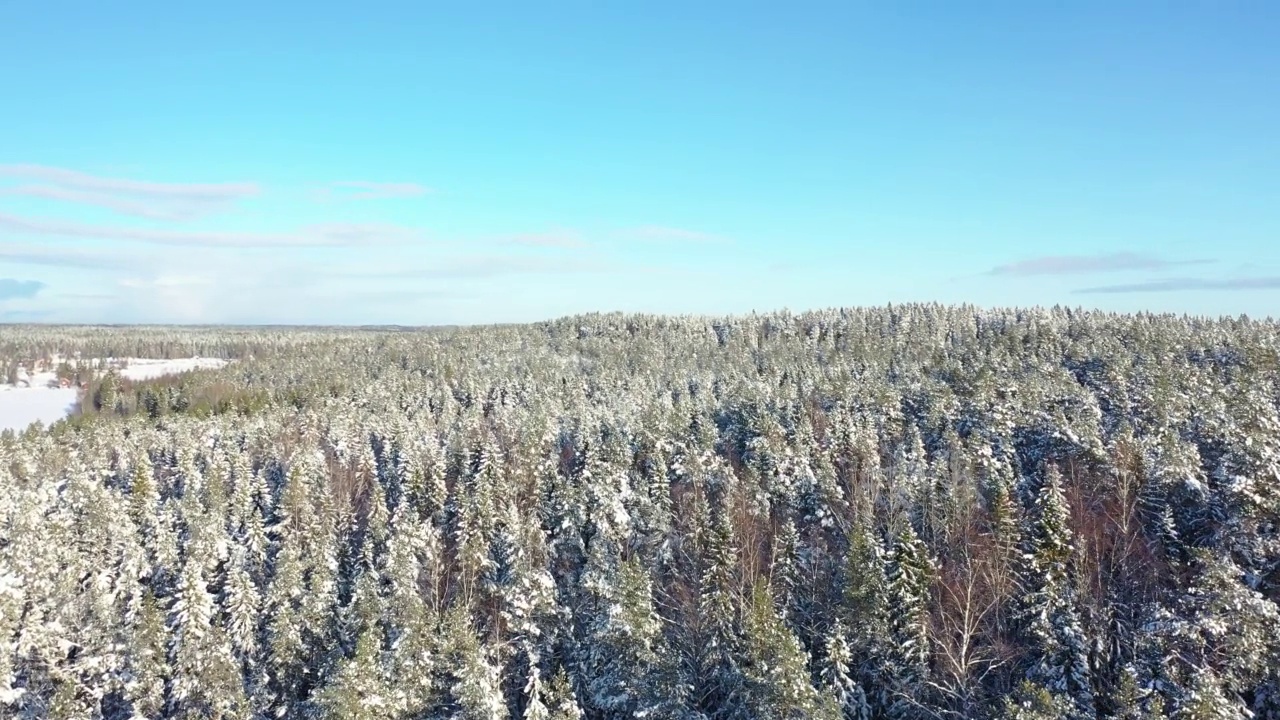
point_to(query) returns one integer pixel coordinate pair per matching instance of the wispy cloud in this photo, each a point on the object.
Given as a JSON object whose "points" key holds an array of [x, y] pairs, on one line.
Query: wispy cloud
{"points": [[659, 233], [65, 257], [472, 267], [1088, 264], [403, 295], [330, 235], [1188, 284], [11, 289], [364, 190], [357, 235], [123, 205], [482, 267], [560, 239], [572, 239], [168, 281], [161, 201]]}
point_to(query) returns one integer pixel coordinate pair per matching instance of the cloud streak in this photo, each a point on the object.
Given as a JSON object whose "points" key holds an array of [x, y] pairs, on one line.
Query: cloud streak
{"points": [[1087, 264], [160, 201], [74, 258], [329, 235], [365, 190], [560, 239], [11, 289], [473, 267], [1187, 285], [660, 233]]}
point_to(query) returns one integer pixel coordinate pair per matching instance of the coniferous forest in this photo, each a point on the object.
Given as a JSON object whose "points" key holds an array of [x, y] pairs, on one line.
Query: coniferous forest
{"points": [[894, 513]]}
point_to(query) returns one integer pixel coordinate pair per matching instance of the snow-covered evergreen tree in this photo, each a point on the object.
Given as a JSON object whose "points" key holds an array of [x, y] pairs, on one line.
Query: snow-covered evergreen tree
{"points": [[775, 667], [1058, 644], [837, 676]]}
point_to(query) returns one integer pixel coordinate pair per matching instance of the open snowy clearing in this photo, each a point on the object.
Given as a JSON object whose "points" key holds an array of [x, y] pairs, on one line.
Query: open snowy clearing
{"points": [[22, 406], [146, 369]]}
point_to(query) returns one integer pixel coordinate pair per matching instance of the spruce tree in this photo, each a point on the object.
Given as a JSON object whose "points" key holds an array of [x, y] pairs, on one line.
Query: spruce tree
{"points": [[1058, 644], [837, 677], [910, 578], [775, 667]]}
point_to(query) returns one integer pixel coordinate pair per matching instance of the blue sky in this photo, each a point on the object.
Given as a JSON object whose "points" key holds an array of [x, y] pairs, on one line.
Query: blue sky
{"points": [[402, 163]]}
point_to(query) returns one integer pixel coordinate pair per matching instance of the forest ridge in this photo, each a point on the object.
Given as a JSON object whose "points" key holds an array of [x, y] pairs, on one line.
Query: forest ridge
{"points": [[917, 511]]}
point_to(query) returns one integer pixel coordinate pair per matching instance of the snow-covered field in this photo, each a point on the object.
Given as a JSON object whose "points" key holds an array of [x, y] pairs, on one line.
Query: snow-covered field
{"points": [[22, 406], [145, 369]]}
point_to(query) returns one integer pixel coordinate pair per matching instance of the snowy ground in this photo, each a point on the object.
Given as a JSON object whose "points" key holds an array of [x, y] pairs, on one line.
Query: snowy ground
{"points": [[145, 369], [22, 406], [19, 407]]}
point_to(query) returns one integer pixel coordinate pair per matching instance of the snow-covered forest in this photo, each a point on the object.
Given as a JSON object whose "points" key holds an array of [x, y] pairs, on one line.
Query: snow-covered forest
{"points": [[907, 512]]}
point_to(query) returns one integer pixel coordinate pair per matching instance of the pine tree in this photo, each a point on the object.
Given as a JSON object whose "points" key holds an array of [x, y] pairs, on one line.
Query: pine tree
{"points": [[1033, 702], [1131, 701], [144, 496], [206, 680], [534, 707], [865, 611], [285, 648], [1206, 699], [1002, 508], [190, 626], [148, 663], [106, 399], [716, 678], [241, 605], [777, 683], [561, 699], [620, 650], [359, 690], [472, 688], [837, 676], [1232, 633], [786, 566], [1060, 661], [910, 576], [410, 616]]}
